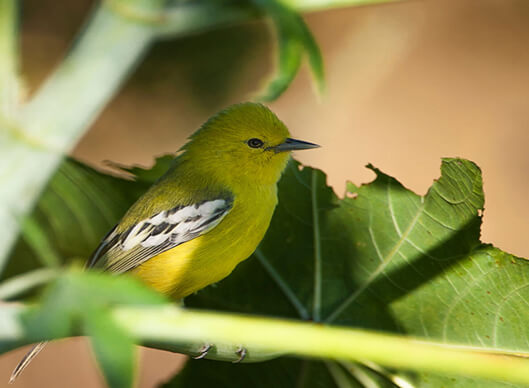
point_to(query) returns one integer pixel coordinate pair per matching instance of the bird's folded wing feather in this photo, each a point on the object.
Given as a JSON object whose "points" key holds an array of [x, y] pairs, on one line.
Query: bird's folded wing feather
{"points": [[123, 251]]}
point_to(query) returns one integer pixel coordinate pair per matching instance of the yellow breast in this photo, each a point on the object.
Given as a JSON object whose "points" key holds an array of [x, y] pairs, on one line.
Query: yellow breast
{"points": [[213, 256]]}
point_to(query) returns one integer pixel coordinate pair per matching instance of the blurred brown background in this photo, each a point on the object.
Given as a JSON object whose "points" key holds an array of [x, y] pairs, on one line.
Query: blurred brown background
{"points": [[407, 84]]}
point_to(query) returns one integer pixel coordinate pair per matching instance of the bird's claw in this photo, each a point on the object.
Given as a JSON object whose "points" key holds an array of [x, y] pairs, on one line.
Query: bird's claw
{"points": [[203, 351], [241, 352]]}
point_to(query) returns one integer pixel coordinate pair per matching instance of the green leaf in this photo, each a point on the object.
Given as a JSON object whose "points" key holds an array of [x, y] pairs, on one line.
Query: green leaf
{"points": [[146, 176], [284, 372], [9, 59], [77, 208], [80, 302], [21, 283], [383, 258], [113, 349], [36, 238], [75, 295], [280, 373], [294, 40]]}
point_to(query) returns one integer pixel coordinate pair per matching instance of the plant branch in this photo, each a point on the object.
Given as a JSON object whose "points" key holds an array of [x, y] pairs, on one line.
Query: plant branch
{"points": [[171, 325], [19, 284], [319, 5], [52, 122], [8, 57]]}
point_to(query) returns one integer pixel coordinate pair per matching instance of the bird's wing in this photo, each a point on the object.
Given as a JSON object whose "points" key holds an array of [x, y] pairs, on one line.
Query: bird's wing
{"points": [[121, 252]]}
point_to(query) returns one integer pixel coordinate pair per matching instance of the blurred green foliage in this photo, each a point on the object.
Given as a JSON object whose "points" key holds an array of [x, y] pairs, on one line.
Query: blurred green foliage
{"points": [[81, 302]]}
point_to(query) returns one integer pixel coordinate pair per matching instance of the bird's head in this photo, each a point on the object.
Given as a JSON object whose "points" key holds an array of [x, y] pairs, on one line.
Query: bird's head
{"points": [[245, 142]]}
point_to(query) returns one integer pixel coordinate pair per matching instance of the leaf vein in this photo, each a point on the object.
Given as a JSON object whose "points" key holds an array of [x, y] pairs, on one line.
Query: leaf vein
{"points": [[380, 269], [282, 284], [316, 311]]}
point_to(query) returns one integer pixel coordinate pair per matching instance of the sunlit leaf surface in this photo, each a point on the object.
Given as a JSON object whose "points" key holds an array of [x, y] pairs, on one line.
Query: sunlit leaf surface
{"points": [[381, 258]]}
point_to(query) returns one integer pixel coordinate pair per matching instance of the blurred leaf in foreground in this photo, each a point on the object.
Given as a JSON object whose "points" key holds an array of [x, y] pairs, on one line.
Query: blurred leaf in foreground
{"points": [[82, 301]]}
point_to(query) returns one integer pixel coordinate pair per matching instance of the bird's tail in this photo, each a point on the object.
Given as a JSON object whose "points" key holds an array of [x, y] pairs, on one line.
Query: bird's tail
{"points": [[26, 360]]}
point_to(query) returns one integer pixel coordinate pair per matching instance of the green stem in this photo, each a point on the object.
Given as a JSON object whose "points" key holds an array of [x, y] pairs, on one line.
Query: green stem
{"points": [[316, 311], [18, 284], [316, 340], [319, 5], [62, 109], [173, 325], [191, 19], [8, 57], [283, 285]]}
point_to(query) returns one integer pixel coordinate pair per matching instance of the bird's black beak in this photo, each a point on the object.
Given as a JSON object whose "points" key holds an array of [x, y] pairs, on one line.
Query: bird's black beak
{"points": [[294, 145]]}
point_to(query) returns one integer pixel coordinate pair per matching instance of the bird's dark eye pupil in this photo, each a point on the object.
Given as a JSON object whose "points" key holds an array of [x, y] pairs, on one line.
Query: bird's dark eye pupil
{"points": [[255, 143]]}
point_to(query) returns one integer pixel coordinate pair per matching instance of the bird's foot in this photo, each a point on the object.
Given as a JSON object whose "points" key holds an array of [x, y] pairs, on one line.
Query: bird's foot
{"points": [[241, 352], [203, 352]]}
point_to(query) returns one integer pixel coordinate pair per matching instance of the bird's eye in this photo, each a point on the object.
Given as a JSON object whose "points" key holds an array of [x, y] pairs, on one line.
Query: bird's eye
{"points": [[255, 143]]}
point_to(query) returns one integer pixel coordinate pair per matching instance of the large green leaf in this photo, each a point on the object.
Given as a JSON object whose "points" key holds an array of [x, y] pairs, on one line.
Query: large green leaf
{"points": [[281, 373], [381, 258], [77, 208]]}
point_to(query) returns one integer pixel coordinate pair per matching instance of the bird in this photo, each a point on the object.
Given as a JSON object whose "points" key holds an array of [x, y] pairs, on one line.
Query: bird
{"points": [[207, 213]]}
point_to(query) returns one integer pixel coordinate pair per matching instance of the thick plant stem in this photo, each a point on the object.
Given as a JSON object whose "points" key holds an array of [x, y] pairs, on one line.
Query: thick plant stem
{"points": [[319, 5], [8, 57], [21, 283], [63, 108], [321, 341], [172, 325]]}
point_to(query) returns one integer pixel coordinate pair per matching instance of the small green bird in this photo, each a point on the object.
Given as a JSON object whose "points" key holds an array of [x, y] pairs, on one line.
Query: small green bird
{"points": [[208, 212]]}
